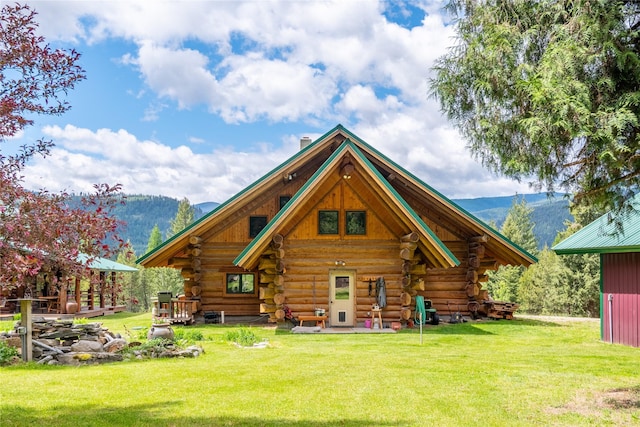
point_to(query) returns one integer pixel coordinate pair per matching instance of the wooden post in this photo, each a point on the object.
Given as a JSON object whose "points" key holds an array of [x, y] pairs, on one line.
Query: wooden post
{"points": [[90, 294], [78, 294], [62, 296], [113, 289], [103, 282], [25, 321], [421, 322]]}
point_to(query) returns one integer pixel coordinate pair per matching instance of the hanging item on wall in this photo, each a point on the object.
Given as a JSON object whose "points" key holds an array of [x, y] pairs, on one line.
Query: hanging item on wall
{"points": [[381, 291]]}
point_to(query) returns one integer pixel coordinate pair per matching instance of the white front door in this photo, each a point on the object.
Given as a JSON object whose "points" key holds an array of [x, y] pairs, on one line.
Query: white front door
{"points": [[342, 284]]}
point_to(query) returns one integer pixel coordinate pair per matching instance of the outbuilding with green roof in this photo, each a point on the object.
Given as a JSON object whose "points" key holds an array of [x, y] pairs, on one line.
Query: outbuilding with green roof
{"points": [[617, 240]]}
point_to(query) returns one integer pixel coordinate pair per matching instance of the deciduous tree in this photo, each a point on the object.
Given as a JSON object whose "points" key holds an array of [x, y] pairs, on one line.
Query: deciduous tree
{"points": [[41, 231]]}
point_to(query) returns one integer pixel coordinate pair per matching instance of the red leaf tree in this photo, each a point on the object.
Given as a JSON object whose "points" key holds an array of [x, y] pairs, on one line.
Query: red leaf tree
{"points": [[41, 231]]}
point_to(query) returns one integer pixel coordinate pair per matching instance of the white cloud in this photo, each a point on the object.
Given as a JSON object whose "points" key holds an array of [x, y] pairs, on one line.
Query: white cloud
{"points": [[258, 87], [351, 42], [248, 62], [83, 158]]}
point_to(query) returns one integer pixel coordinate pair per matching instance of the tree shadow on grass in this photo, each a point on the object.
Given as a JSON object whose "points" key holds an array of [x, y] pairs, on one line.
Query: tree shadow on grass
{"points": [[534, 322], [157, 415], [457, 329]]}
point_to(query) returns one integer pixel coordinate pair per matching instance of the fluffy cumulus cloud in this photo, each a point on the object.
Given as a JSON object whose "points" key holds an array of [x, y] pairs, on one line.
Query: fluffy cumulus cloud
{"points": [[83, 157], [250, 63]]}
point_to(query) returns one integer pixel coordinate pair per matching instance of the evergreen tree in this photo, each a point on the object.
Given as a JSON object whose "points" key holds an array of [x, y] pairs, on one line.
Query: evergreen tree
{"points": [[183, 218], [131, 282], [517, 227], [157, 279], [542, 288], [548, 90], [583, 278], [155, 238], [566, 284]]}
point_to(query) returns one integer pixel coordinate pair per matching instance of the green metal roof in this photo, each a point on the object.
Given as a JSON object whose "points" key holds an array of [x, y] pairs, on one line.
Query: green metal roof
{"points": [[104, 264], [601, 236]]}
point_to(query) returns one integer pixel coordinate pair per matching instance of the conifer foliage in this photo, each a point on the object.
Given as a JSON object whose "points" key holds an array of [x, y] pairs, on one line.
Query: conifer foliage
{"points": [[548, 90]]}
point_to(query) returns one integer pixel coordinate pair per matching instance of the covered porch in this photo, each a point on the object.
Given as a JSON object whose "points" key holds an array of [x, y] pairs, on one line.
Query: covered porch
{"points": [[74, 297]]}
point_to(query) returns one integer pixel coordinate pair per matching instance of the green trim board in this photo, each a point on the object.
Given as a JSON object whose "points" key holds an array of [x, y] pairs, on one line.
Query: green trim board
{"points": [[443, 199]]}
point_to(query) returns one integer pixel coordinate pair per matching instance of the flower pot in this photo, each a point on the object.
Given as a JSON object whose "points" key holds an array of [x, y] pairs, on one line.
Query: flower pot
{"points": [[72, 307], [160, 331]]}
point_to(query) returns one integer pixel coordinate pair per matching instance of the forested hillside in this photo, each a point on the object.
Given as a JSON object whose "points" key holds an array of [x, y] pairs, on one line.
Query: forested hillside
{"points": [[549, 213], [141, 213]]}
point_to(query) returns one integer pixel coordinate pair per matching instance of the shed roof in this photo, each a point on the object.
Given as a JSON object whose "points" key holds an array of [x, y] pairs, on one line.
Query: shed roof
{"points": [[601, 236]]}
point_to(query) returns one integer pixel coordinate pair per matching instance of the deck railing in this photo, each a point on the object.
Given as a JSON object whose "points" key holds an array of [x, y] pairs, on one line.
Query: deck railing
{"points": [[176, 311]]}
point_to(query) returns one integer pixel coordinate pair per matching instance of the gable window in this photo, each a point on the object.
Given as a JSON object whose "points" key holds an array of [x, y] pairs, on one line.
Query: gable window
{"points": [[356, 222], [240, 284], [328, 222], [283, 200], [256, 224]]}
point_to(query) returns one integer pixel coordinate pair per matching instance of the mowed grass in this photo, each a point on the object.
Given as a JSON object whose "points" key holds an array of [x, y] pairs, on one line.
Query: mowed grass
{"points": [[491, 373]]}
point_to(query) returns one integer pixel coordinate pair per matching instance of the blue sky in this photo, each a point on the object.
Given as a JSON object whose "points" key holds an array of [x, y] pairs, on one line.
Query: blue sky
{"points": [[198, 99]]}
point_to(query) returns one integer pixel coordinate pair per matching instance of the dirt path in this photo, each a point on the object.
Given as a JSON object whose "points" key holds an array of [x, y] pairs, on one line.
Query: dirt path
{"points": [[559, 319]]}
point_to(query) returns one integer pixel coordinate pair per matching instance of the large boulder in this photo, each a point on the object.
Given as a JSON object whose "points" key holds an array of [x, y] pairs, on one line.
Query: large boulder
{"points": [[86, 346]]}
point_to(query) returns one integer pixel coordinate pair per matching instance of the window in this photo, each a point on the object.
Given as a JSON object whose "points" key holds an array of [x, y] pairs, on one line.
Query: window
{"points": [[356, 222], [240, 284], [256, 224], [284, 200], [328, 222]]}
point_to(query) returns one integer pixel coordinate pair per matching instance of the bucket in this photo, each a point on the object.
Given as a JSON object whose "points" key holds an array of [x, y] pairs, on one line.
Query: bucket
{"points": [[367, 323]]}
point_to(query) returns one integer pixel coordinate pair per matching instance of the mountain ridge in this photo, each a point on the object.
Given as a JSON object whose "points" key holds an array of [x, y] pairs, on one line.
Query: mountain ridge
{"points": [[142, 212]]}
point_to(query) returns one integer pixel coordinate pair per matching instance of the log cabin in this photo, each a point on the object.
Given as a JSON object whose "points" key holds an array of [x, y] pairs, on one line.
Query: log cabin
{"points": [[323, 228]]}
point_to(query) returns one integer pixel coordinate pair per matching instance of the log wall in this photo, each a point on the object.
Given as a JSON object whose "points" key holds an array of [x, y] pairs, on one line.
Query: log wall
{"points": [[295, 272], [309, 263], [216, 261]]}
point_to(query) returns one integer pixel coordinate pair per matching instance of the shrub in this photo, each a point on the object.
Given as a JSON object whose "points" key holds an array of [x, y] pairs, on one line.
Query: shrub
{"points": [[243, 336], [7, 353], [187, 335]]}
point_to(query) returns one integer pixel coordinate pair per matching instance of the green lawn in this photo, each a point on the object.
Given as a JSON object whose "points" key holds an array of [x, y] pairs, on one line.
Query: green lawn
{"points": [[493, 373]]}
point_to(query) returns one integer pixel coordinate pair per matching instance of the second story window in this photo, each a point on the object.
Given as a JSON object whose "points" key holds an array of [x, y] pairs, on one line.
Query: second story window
{"points": [[328, 222], [256, 224]]}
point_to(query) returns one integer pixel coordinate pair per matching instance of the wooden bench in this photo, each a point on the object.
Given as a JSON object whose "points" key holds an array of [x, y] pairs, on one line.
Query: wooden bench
{"points": [[320, 320]]}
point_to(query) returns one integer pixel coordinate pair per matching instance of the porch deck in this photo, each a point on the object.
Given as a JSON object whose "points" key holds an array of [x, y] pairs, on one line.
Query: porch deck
{"points": [[85, 312], [340, 330]]}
